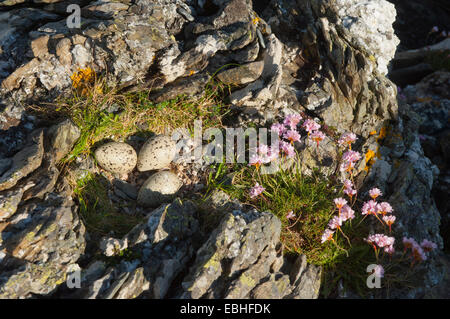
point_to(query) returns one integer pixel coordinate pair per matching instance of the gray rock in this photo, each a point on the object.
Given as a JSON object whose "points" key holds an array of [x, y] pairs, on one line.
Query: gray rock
{"points": [[25, 161], [159, 188], [119, 158], [242, 75], [158, 152], [126, 188], [62, 138]]}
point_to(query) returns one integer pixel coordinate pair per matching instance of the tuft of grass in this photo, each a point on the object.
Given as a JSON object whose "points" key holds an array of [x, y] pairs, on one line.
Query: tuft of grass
{"points": [[99, 214]]}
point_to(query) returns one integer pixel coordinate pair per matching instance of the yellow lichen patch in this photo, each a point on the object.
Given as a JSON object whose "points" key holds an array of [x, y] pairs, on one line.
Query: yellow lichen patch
{"points": [[373, 132], [383, 133], [191, 72], [247, 280], [370, 159], [82, 76], [255, 20]]}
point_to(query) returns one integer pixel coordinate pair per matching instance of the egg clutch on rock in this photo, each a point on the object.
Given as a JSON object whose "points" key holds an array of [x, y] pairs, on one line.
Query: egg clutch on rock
{"points": [[156, 154]]}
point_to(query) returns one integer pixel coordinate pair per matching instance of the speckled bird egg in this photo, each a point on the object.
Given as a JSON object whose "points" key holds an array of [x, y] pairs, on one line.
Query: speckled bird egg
{"points": [[159, 188], [119, 158], [156, 153]]}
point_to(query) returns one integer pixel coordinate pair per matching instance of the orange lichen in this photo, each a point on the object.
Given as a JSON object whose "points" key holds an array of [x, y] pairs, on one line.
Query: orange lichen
{"points": [[370, 159], [82, 77], [255, 20]]}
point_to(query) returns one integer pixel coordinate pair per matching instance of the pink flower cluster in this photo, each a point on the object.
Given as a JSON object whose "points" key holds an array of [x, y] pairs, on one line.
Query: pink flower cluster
{"points": [[418, 252], [372, 207], [288, 131], [345, 213], [256, 190], [350, 157], [264, 155], [382, 241], [348, 189]]}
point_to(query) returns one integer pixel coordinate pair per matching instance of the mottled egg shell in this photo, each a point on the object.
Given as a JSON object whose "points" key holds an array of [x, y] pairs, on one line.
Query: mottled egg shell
{"points": [[156, 153], [159, 188], [119, 158]]}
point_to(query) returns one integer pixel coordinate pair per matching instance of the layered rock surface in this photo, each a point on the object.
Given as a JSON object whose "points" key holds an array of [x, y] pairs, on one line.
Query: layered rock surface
{"points": [[324, 59]]}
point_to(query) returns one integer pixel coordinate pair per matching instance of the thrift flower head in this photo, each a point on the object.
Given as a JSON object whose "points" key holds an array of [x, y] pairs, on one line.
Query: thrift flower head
{"points": [[409, 242], [310, 125], [349, 158], [428, 245], [374, 193], [327, 235], [384, 208], [292, 136], [317, 136], [287, 149], [348, 190], [347, 213], [256, 190], [389, 249], [340, 202], [389, 220], [380, 240], [418, 253], [290, 215], [278, 128], [335, 222], [292, 121], [256, 160], [369, 207], [347, 139]]}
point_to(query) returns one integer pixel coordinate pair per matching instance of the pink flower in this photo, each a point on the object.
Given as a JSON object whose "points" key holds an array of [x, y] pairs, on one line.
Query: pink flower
{"points": [[409, 242], [347, 139], [347, 213], [348, 183], [340, 202], [292, 136], [335, 222], [327, 235], [278, 128], [369, 208], [380, 240], [256, 160], [290, 215], [389, 249], [317, 136], [292, 121], [256, 190], [384, 208], [389, 220], [418, 253], [310, 125], [428, 245], [379, 271], [287, 149], [351, 156], [263, 149], [375, 192], [348, 190]]}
